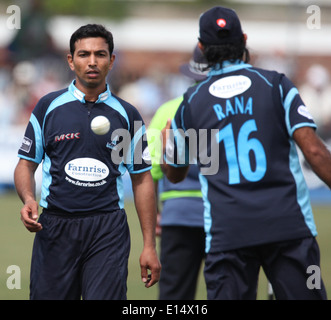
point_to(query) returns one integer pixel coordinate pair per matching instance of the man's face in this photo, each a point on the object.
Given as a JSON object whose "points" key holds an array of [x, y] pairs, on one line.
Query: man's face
{"points": [[91, 63]]}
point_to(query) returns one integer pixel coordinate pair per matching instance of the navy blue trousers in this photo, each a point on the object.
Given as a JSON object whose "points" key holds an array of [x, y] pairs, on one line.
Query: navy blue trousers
{"points": [[233, 275], [80, 257], [182, 253]]}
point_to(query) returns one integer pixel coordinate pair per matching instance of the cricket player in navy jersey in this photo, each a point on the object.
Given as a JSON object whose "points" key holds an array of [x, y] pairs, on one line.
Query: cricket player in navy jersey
{"points": [[82, 240], [257, 207]]}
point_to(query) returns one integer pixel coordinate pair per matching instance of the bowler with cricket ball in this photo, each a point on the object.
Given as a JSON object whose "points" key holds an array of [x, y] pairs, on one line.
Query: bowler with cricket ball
{"points": [[82, 241]]}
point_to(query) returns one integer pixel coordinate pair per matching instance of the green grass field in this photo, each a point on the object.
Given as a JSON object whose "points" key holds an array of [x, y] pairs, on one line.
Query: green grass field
{"points": [[16, 245]]}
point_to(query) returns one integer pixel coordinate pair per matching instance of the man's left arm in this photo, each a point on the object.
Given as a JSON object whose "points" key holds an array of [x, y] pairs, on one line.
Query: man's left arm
{"points": [[302, 128], [145, 202], [315, 152]]}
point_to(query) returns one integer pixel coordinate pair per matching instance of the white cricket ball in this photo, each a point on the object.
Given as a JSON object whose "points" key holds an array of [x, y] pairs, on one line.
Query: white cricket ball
{"points": [[100, 125]]}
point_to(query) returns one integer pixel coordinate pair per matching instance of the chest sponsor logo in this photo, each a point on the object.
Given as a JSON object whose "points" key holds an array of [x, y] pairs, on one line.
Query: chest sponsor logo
{"points": [[67, 136], [230, 86], [86, 169]]}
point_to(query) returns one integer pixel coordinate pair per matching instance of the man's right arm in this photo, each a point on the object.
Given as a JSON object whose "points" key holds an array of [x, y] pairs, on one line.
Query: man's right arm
{"points": [[25, 187]]}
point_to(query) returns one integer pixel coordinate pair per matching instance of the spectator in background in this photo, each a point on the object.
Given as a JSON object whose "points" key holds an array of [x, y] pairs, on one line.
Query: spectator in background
{"points": [[279, 61], [316, 93], [36, 65], [180, 224], [147, 92], [32, 39]]}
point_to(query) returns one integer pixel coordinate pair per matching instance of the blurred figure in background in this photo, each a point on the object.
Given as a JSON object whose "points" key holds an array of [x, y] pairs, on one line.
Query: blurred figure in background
{"points": [[145, 92], [32, 40], [33, 63], [180, 224], [316, 93]]}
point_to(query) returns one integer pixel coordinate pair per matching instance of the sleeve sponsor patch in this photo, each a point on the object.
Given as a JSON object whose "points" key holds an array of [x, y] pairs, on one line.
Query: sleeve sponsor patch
{"points": [[26, 145], [303, 110]]}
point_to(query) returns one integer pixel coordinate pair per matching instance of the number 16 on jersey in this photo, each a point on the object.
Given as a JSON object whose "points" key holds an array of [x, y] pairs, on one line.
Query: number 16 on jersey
{"points": [[238, 154]]}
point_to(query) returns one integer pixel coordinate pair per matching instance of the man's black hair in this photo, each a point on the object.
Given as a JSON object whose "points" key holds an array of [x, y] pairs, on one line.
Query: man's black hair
{"points": [[217, 54], [92, 31]]}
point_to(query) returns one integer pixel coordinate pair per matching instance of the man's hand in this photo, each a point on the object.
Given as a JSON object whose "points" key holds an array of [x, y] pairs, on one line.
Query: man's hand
{"points": [[174, 174], [149, 261], [29, 216]]}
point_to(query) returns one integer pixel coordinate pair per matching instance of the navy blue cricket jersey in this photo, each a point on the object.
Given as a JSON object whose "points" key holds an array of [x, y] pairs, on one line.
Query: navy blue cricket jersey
{"points": [[253, 188], [82, 171]]}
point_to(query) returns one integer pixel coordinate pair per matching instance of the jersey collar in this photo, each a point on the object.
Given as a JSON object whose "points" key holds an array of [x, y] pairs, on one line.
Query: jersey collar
{"points": [[79, 95], [228, 66]]}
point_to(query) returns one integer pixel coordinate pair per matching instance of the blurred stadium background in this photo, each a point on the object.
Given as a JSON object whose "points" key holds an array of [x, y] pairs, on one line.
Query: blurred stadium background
{"points": [[152, 39]]}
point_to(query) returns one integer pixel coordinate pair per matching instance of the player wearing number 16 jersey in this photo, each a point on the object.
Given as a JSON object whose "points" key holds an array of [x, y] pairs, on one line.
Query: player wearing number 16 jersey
{"points": [[257, 207]]}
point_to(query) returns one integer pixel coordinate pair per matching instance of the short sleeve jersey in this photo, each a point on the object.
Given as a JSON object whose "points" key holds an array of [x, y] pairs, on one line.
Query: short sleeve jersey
{"points": [[241, 120], [82, 171]]}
